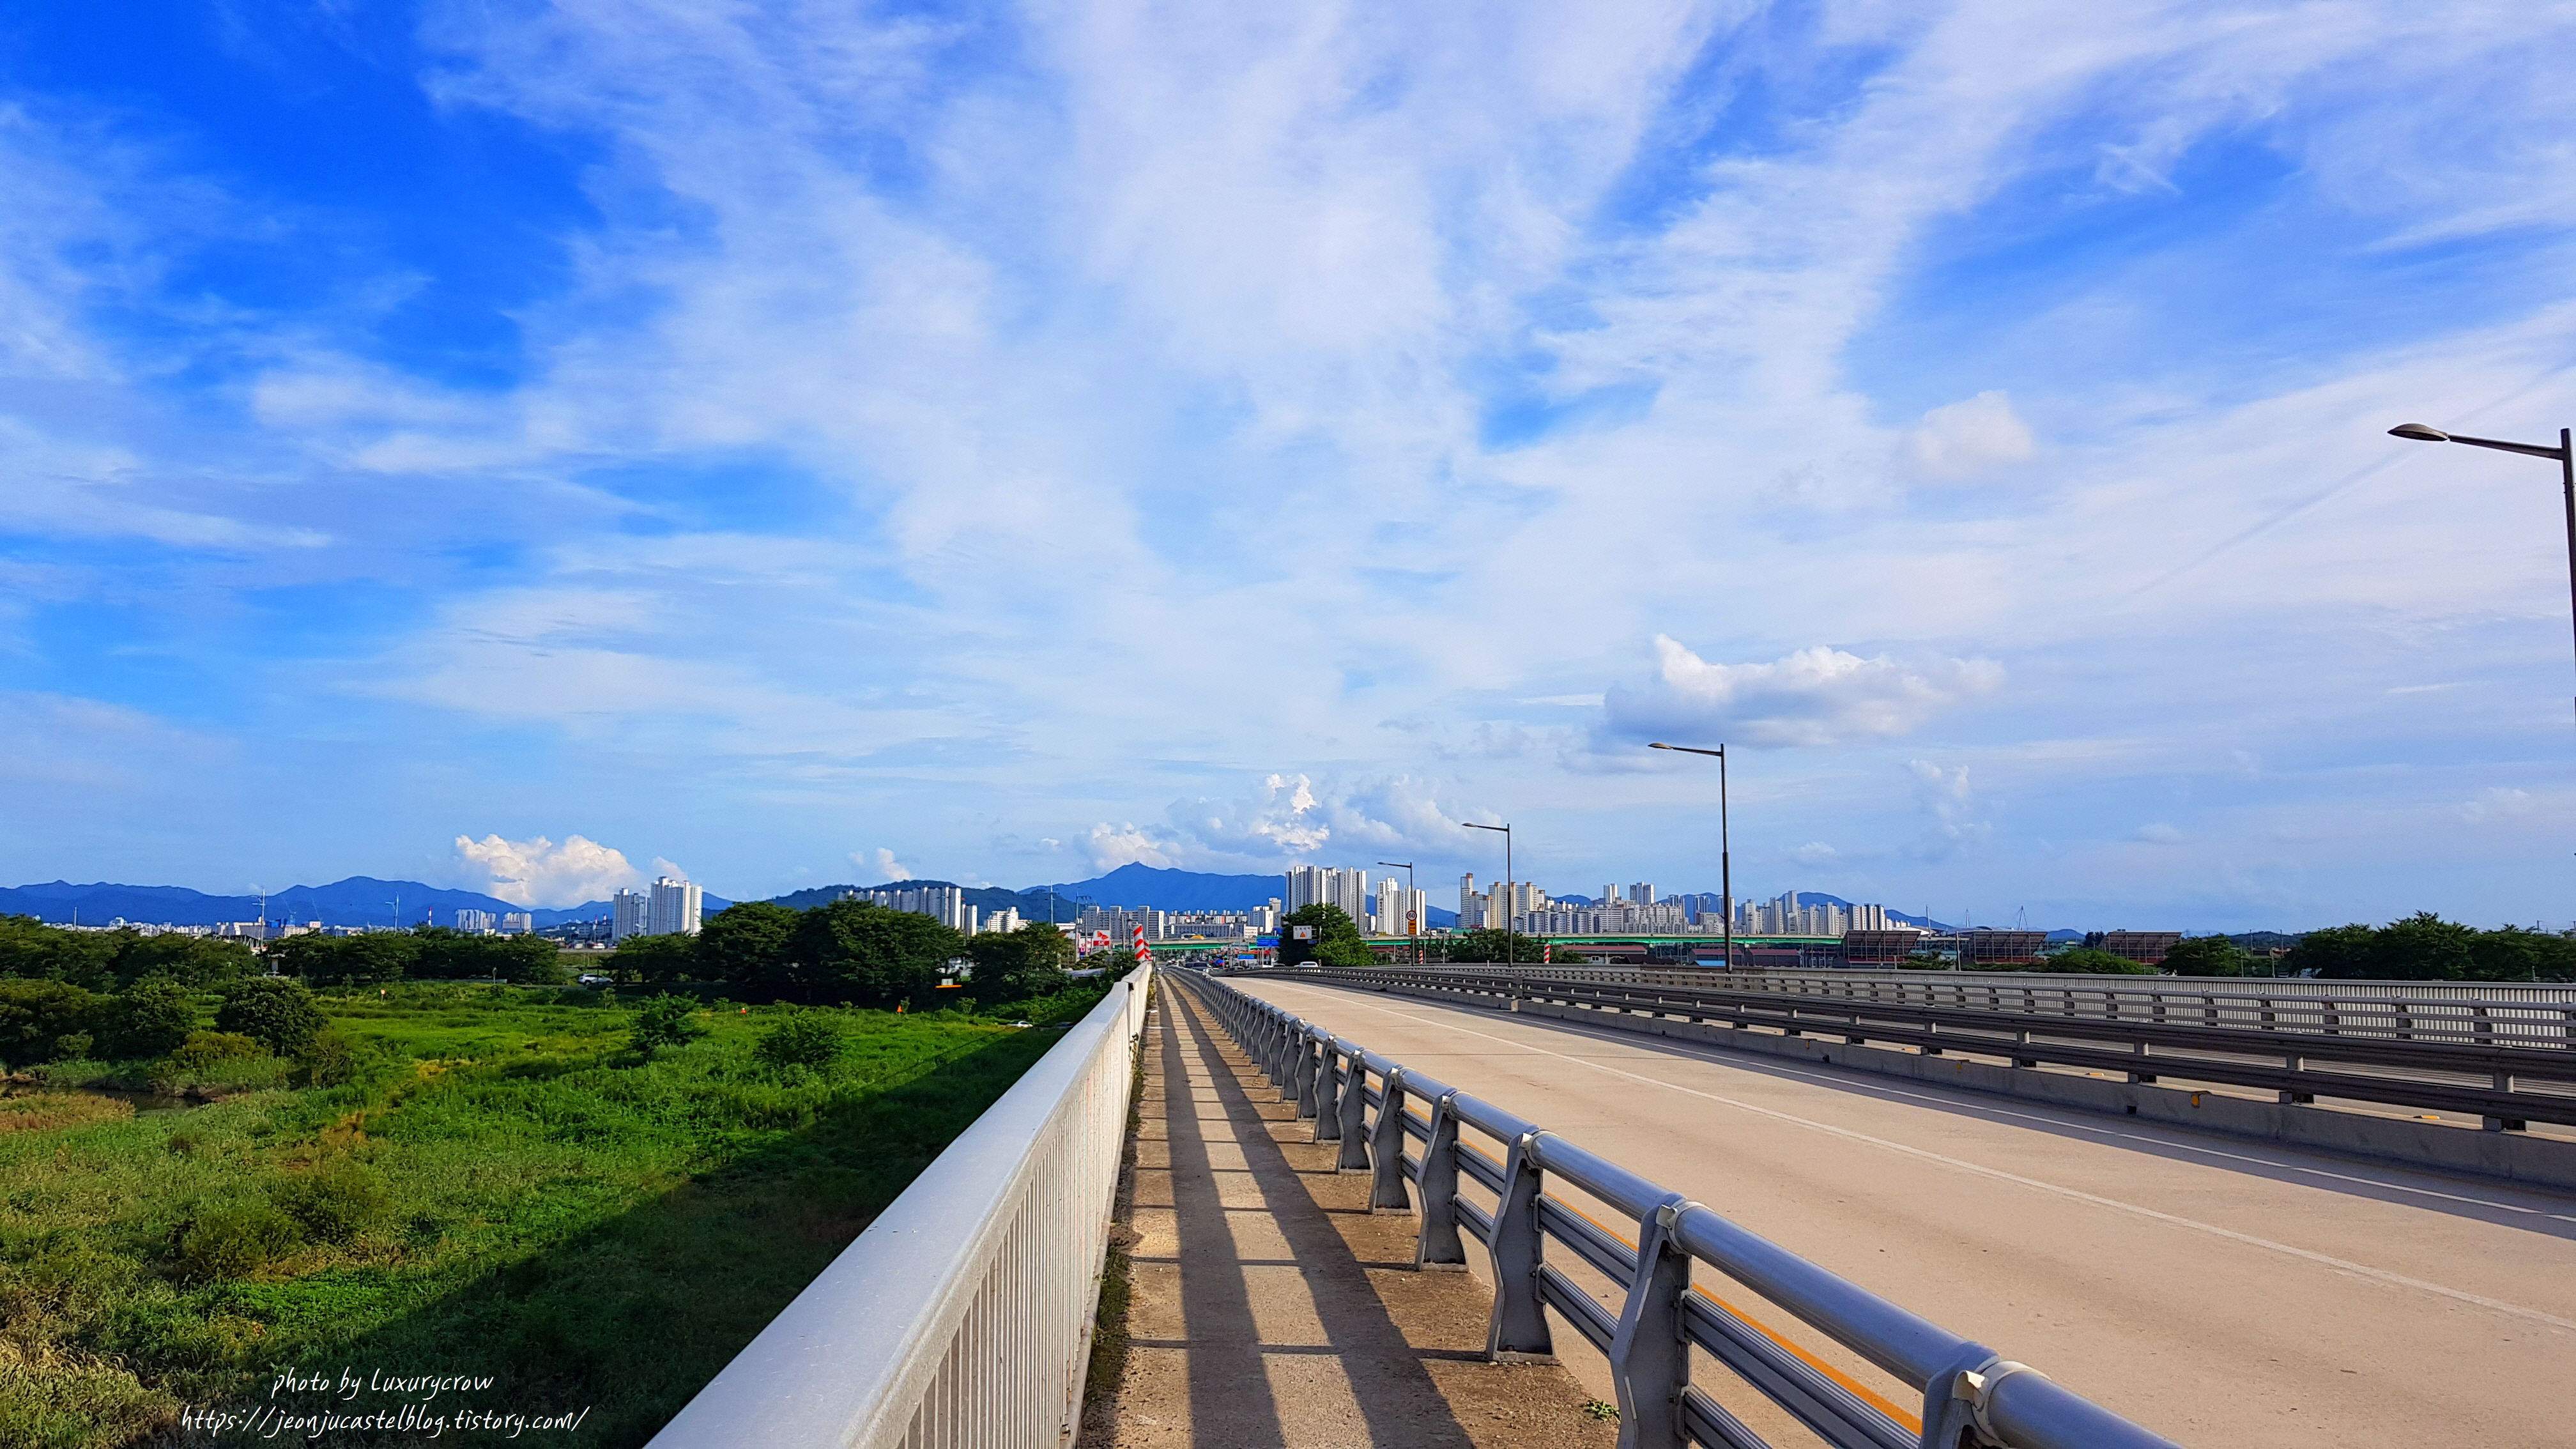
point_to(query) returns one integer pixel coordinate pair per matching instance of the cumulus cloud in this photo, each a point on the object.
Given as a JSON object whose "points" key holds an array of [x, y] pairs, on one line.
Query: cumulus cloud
{"points": [[1814, 852], [1967, 440], [541, 873], [1288, 817], [887, 867], [1818, 696]]}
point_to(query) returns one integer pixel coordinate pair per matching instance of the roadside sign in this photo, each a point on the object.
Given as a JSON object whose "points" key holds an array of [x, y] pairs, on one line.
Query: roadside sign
{"points": [[1305, 933]]}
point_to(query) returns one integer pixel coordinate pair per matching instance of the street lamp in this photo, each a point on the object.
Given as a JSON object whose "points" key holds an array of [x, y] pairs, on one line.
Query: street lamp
{"points": [[1509, 945], [1411, 938], [2564, 455], [1725, 858]]}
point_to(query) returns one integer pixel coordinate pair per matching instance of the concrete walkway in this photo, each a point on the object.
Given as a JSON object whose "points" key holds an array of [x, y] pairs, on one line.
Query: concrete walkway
{"points": [[1272, 1310]]}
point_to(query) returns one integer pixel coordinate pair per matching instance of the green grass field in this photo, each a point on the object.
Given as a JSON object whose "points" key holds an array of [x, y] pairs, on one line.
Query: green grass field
{"points": [[506, 1191]]}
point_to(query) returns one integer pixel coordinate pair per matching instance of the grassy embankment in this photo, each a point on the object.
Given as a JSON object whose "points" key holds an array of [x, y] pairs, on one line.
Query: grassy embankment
{"points": [[505, 1189]]}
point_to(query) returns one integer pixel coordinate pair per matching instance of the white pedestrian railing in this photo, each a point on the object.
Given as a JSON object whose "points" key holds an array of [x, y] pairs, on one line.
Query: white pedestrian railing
{"points": [[961, 1319]]}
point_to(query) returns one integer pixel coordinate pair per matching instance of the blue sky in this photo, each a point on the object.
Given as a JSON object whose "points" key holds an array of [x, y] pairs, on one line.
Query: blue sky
{"points": [[523, 446]]}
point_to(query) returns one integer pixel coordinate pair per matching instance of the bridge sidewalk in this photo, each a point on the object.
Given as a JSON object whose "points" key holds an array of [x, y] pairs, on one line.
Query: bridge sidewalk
{"points": [[1271, 1310]]}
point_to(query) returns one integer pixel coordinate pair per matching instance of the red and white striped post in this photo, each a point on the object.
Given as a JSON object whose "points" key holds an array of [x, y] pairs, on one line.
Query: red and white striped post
{"points": [[1142, 955]]}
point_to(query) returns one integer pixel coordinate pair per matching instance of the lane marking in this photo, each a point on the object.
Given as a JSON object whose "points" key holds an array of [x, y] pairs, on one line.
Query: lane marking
{"points": [[2346, 1265], [1611, 1035]]}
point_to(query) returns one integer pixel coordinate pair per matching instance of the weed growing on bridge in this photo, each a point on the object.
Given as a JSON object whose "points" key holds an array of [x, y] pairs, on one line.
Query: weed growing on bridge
{"points": [[501, 1186]]}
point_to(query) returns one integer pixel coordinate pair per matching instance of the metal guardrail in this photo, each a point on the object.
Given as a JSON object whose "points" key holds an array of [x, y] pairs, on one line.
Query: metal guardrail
{"points": [[2478, 1013], [2505, 1086], [962, 1316], [1972, 1396]]}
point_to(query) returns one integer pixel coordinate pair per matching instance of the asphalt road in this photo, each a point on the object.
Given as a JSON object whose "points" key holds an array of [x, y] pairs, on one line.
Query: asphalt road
{"points": [[2221, 1292]]}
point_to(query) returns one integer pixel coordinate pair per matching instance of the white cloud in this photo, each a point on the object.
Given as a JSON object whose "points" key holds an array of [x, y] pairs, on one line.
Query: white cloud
{"points": [[2497, 803], [1814, 852], [539, 872], [2157, 834], [884, 864], [1818, 696], [1968, 440], [1126, 843]]}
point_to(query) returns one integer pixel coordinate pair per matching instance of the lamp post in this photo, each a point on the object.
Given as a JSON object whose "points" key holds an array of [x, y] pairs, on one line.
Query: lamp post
{"points": [[1410, 937], [1509, 946], [2564, 455], [1725, 858]]}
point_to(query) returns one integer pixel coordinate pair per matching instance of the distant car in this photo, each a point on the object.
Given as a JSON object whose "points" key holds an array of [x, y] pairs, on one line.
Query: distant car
{"points": [[593, 978]]}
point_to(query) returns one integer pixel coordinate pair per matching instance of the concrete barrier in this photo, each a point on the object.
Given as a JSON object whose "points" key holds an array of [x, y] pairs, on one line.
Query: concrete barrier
{"points": [[2515, 1157]]}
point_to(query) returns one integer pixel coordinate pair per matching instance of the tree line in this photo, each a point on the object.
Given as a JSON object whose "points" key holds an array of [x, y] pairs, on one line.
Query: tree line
{"points": [[854, 951]]}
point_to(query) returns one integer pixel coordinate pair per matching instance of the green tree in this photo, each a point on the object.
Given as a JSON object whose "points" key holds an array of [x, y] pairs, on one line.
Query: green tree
{"points": [[2086, 959], [1493, 943], [199, 961], [2208, 956], [1018, 965], [274, 1011], [672, 957], [801, 1039], [30, 950], [2336, 953], [875, 956], [2516, 953], [2422, 947], [748, 941], [665, 1021], [1337, 941], [36, 1015], [149, 1019]]}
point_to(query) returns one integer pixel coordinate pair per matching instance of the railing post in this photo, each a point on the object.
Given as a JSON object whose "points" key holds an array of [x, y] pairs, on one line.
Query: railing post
{"points": [[1649, 1356], [1354, 1117], [1305, 1071], [1283, 1068], [1386, 1148], [1331, 1084], [1437, 1247], [1518, 1331]]}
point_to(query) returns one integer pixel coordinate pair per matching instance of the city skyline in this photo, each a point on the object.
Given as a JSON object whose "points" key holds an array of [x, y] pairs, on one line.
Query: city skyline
{"points": [[539, 450]]}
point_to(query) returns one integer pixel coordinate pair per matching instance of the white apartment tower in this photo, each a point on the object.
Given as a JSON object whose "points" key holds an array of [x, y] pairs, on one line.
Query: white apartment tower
{"points": [[673, 910], [1396, 911], [1310, 885], [626, 915]]}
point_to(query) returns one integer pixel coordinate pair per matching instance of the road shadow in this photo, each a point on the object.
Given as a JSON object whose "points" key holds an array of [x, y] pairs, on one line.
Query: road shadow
{"points": [[1233, 1363]]}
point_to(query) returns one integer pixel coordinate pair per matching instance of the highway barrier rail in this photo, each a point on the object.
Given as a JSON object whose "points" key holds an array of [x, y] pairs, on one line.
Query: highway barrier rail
{"points": [[1972, 1396], [2478, 1013], [2299, 1049], [963, 1315]]}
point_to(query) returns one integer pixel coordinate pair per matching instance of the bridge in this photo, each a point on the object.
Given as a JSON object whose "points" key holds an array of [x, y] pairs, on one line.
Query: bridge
{"points": [[1578, 1206]]}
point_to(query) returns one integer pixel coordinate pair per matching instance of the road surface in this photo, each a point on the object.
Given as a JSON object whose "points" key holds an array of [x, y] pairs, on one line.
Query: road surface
{"points": [[2223, 1293]]}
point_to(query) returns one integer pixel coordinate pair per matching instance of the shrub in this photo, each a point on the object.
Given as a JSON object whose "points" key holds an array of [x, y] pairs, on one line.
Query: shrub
{"points": [[73, 1046], [329, 1062], [150, 1019], [204, 1049], [666, 1020], [337, 1202], [234, 1242], [277, 1011], [34, 1015], [803, 1039]]}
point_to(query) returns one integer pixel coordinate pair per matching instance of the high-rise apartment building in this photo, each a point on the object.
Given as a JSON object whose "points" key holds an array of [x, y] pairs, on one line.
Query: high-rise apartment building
{"points": [[944, 903], [626, 915], [1396, 911], [1642, 893], [673, 909], [1471, 905], [1310, 885], [519, 922], [474, 923]]}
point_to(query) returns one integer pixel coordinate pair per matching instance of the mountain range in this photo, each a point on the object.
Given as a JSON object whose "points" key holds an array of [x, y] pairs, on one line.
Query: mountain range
{"points": [[360, 900], [366, 901]]}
